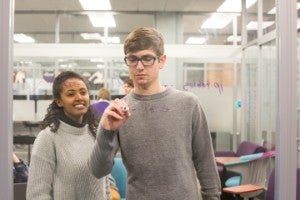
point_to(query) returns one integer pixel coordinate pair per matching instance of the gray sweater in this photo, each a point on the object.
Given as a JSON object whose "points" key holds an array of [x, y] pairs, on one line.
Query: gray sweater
{"points": [[165, 145], [58, 168]]}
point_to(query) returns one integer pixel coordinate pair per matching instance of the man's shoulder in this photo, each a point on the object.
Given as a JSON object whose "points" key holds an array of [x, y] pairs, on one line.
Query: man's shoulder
{"points": [[183, 94]]}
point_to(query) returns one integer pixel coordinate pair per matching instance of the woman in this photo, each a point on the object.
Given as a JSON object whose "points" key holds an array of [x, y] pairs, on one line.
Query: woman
{"points": [[58, 167], [103, 101]]}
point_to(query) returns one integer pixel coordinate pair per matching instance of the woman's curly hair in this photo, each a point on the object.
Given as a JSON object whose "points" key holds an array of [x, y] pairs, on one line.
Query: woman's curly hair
{"points": [[54, 112]]}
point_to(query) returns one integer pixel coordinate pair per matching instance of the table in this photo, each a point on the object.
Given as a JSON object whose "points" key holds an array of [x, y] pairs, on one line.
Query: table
{"points": [[224, 160]]}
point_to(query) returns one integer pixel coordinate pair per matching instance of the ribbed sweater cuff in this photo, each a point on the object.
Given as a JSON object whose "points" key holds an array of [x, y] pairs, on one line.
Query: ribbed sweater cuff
{"points": [[108, 134]]}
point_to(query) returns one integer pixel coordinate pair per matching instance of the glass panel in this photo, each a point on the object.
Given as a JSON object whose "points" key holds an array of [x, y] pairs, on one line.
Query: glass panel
{"points": [[213, 84], [251, 22], [269, 15], [268, 94], [249, 74], [259, 89]]}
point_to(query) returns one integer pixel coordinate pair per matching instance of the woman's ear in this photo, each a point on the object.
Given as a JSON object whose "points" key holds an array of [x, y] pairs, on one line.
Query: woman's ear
{"points": [[58, 102]]}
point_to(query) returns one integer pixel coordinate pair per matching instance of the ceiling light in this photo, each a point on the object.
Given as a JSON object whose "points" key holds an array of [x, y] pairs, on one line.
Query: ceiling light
{"points": [[114, 40], [253, 25], [91, 36], [22, 38], [95, 4], [273, 10], [97, 60], [102, 20], [234, 38], [195, 40], [234, 5], [217, 21]]}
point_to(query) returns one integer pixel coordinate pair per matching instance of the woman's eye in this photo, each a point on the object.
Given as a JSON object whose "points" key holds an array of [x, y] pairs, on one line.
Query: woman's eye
{"points": [[70, 94]]}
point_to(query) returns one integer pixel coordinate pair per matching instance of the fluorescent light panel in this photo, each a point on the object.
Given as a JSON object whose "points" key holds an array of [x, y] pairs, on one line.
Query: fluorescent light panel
{"points": [[97, 36], [195, 40], [91, 36], [273, 10], [22, 38], [236, 38], [102, 20], [234, 5], [113, 40], [253, 25], [217, 21], [95, 4]]}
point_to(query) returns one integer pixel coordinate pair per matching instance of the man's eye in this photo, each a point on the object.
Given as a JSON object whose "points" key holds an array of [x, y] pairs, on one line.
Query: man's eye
{"points": [[132, 59], [147, 58]]}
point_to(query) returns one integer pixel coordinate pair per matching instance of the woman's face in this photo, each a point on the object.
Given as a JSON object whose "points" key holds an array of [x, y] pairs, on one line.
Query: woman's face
{"points": [[74, 99]]}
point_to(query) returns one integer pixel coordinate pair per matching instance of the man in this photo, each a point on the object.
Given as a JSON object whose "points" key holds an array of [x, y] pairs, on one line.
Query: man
{"points": [[162, 132]]}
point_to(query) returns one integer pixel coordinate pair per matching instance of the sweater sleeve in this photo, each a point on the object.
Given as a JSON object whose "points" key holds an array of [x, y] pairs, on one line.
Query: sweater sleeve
{"points": [[203, 157], [20, 172], [103, 153], [42, 167]]}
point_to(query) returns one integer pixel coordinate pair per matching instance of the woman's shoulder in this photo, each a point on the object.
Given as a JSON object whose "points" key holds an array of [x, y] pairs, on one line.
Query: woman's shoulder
{"points": [[45, 134]]}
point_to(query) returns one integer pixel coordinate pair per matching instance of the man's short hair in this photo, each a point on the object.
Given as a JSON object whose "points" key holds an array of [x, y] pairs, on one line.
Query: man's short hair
{"points": [[142, 39]]}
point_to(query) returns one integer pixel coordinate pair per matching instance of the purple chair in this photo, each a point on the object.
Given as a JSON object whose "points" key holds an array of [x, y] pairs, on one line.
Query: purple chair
{"points": [[271, 186], [99, 107], [244, 148]]}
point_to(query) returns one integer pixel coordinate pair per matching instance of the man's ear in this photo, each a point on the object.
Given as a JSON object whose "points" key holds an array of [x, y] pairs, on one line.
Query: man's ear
{"points": [[162, 61], [58, 102]]}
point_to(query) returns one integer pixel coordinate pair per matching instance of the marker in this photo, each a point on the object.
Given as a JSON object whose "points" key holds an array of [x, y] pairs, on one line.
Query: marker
{"points": [[124, 109]]}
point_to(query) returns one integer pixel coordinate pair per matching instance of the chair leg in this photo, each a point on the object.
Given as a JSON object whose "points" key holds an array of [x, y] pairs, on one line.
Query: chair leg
{"points": [[238, 197]]}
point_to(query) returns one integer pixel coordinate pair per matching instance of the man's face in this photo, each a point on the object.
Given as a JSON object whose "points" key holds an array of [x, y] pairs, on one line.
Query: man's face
{"points": [[144, 67]]}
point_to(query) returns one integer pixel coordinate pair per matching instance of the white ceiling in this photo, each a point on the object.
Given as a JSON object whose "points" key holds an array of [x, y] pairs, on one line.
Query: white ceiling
{"points": [[38, 18]]}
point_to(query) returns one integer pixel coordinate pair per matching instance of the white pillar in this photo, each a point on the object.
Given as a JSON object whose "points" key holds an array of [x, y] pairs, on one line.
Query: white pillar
{"points": [[6, 31], [286, 134]]}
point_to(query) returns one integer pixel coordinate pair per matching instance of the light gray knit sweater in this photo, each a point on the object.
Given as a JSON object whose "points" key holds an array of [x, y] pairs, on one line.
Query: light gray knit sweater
{"points": [[165, 145], [58, 168]]}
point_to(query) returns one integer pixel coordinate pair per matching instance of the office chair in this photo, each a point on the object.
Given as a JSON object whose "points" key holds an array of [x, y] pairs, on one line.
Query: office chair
{"points": [[99, 107], [245, 148], [119, 173], [255, 174]]}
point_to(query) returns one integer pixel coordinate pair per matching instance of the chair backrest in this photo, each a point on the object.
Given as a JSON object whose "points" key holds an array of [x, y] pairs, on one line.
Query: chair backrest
{"points": [[247, 147], [254, 171], [20, 191], [271, 186], [99, 107], [119, 173]]}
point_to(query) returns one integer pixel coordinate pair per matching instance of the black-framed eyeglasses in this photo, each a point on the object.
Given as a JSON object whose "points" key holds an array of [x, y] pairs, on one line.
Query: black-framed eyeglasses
{"points": [[146, 60]]}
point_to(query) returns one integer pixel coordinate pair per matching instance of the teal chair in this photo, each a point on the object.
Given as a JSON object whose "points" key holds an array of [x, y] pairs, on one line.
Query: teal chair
{"points": [[119, 173], [255, 171], [236, 180]]}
